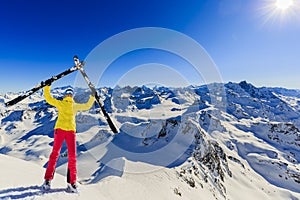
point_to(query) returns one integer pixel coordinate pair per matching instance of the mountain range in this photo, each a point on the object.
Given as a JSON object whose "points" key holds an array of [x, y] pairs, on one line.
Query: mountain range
{"points": [[215, 141]]}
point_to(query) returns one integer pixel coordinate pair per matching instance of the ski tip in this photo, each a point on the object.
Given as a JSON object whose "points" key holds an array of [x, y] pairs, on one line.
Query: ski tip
{"points": [[7, 104]]}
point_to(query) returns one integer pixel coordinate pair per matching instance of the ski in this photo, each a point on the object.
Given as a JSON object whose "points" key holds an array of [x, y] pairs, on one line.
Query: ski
{"points": [[43, 84], [94, 92]]}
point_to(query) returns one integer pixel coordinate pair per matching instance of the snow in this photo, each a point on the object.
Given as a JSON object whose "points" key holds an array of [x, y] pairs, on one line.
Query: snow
{"points": [[174, 143], [24, 183], [23, 180]]}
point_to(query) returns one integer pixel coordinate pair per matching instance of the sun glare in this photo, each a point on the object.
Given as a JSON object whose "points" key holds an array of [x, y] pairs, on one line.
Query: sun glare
{"points": [[279, 12], [284, 4]]}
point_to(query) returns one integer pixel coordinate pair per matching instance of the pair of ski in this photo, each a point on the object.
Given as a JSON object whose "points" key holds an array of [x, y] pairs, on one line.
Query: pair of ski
{"points": [[78, 66]]}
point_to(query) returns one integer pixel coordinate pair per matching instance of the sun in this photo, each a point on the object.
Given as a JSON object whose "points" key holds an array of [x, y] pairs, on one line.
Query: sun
{"points": [[279, 12], [283, 4]]}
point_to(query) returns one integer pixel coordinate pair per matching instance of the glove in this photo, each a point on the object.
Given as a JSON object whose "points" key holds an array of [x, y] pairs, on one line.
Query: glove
{"points": [[47, 82]]}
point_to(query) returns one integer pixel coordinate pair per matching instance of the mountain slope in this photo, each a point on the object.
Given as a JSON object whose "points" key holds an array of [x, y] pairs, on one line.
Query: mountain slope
{"points": [[220, 141], [23, 180]]}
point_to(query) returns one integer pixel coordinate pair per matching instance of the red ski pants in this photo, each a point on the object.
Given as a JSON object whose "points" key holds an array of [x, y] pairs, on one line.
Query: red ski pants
{"points": [[59, 137]]}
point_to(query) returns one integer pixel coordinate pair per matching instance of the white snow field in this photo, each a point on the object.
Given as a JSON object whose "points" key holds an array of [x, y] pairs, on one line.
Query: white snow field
{"points": [[226, 141]]}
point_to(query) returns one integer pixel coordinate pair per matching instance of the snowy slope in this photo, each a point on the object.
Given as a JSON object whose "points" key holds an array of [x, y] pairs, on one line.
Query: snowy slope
{"points": [[21, 180], [185, 143], [24, 183]]}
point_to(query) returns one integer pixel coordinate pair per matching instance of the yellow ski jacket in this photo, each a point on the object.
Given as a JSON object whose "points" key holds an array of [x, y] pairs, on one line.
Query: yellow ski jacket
{"points": [[67, 110]]}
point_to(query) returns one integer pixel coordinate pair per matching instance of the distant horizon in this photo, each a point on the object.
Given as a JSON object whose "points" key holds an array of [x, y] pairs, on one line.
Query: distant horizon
{"points": [[154, 86]]}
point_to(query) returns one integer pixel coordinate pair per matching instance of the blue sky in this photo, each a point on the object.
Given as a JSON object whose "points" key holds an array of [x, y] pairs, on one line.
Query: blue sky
{"points": [[247, 39]]}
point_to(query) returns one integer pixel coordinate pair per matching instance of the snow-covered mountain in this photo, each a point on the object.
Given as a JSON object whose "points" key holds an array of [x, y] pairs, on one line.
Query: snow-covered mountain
{"points": [[217, 141]]}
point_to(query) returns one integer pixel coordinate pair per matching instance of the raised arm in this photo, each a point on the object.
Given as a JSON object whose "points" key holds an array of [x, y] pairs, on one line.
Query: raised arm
{"points": [[85, 106], [52, 101]]}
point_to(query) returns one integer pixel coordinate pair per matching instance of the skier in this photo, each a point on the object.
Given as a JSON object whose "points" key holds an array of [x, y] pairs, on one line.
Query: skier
{"points": [[65, 128]]}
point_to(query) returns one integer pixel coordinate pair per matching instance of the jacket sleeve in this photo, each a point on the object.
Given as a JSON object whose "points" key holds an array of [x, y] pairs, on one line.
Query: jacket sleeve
{"points": [[85, 106], [52, 101]]}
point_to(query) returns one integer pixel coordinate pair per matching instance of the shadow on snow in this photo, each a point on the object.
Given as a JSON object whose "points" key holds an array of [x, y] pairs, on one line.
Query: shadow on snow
{"points": [[25, 192]]}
